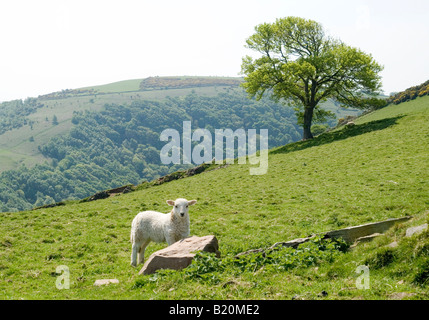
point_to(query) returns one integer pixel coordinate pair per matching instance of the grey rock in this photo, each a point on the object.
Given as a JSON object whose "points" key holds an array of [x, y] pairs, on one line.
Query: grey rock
{"points": [[416, 230], [180, 254]]}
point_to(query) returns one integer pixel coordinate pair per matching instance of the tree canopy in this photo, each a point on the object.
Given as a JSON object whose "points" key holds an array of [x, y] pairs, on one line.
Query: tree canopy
{"points": [[303, 66]]}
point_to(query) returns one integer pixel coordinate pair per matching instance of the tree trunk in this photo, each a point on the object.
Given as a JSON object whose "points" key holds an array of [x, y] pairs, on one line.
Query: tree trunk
{"points": [[308, 118]]}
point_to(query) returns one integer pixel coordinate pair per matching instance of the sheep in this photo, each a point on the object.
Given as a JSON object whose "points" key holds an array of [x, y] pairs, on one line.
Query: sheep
{"points": [[155, 226]]}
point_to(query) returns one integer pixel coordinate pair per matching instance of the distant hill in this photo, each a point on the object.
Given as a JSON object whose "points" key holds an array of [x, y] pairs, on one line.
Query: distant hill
{"points": [[154, 83], [21, 121], [147, 84]]}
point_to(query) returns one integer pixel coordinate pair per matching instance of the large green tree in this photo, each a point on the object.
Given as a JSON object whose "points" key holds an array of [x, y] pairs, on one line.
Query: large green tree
{"points": [[303, 66]]}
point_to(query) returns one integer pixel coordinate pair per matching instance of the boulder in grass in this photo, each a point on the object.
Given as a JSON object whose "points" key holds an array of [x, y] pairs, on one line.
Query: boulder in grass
{"points": [[416, 230], [180, 254]]}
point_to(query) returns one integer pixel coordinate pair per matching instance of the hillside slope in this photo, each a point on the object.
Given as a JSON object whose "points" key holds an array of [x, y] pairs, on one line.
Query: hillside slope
{"points": [[35, 118], [373, 171]]}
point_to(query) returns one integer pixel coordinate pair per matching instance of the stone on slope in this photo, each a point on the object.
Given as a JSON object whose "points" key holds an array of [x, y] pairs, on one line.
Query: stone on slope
{"points": [[180, 254], [416, 230]]}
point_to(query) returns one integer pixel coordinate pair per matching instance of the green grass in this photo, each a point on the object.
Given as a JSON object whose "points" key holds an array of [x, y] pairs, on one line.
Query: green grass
{"points": [[413, 107], [373, 171]]}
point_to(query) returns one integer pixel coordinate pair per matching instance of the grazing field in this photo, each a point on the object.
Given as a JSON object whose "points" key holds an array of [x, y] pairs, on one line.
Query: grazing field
{"points": [[375, 170]]}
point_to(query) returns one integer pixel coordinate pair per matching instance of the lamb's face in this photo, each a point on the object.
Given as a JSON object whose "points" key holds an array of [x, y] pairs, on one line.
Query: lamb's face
{"points": [[181, 206]]}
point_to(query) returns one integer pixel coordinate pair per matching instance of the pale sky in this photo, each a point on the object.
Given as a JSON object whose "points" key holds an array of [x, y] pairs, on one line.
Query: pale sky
{"points": [[50, 45]]}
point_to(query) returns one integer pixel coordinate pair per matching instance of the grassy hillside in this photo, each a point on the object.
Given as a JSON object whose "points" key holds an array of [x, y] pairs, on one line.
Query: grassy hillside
{"points": [[119, 86], [16, 149], [373, 171]]}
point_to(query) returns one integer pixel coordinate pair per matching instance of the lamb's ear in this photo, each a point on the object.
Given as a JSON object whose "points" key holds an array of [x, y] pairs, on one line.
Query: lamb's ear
{"points": [[192, 202], [170, 202]]}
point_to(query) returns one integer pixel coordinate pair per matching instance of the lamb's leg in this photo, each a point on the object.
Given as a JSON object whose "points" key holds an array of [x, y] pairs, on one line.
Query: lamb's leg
{"points": [[170, 239], [141, 251], [135, 248]]}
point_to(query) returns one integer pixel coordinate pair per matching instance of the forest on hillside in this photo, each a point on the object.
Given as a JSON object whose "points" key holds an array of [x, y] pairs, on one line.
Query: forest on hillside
{"points": [[120, 145], [14, 114]]}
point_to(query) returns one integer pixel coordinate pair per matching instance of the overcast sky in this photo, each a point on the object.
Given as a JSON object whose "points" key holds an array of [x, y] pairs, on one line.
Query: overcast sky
{"points": [[48, 46]]}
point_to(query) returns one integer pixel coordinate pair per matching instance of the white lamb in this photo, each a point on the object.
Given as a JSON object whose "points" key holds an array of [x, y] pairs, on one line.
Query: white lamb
{"points": [[159, 227]]}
